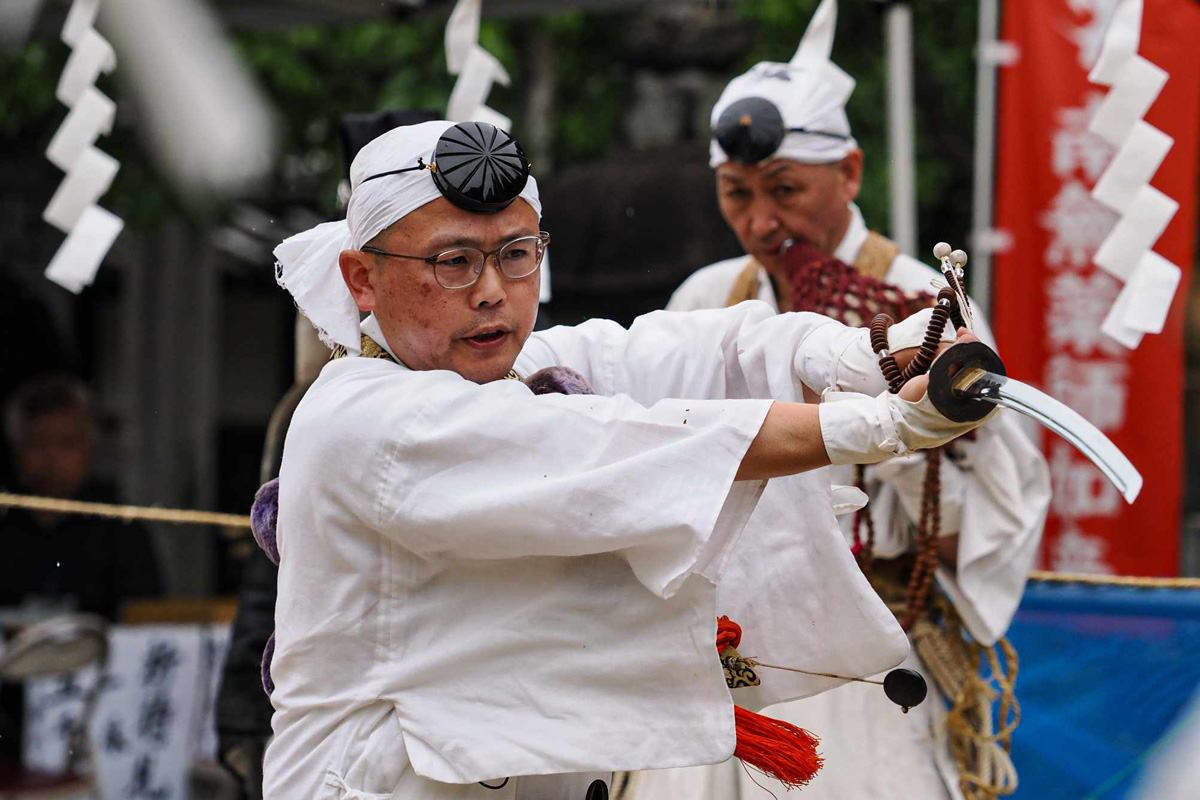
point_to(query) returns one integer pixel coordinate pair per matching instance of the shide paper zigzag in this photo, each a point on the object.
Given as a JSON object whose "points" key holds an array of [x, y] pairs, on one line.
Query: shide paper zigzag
{"points": [[477, 70], [90, 229], [1126, 254]]}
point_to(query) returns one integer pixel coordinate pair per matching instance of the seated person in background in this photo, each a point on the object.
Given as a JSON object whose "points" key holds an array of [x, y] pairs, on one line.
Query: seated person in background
{"points": [[76, 562], [54, 561]]}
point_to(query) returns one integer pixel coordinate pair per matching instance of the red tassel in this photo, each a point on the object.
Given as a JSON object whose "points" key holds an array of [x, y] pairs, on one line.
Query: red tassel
{"points": [[784, 751]]}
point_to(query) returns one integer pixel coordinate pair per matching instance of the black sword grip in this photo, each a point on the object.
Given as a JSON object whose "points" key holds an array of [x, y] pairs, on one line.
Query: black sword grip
{"points": [[949, 403]]}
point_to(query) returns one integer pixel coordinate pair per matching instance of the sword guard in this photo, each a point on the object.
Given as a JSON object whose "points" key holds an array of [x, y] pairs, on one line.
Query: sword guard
{"points": [[949, 402]]}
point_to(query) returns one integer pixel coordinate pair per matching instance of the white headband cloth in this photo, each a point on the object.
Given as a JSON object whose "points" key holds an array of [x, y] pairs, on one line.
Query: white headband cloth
{"points": [[307, 263], [810, 93]]}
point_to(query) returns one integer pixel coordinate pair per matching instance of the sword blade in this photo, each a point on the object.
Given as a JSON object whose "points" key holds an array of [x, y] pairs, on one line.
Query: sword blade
{"points": [[1024, 399]]}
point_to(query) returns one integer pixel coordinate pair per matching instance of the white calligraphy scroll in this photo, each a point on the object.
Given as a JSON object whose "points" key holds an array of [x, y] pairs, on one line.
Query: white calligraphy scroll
{"points": [[73, 209], [1126, 254], [153, 717]]}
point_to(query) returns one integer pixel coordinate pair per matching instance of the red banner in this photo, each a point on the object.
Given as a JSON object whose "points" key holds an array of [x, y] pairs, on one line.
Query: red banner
{"points": [[1050, 299]]}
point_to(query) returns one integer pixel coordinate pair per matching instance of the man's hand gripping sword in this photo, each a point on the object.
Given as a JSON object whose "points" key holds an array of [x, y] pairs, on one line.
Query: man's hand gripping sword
{"points": [[968, 380]]}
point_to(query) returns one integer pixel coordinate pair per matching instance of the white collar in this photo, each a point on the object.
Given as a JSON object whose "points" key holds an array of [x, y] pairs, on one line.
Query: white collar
{"points": [[370, 326], [854, 239]]}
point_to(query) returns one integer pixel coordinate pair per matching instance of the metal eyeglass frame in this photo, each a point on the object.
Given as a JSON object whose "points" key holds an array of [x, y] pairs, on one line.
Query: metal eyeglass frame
{"points": [[542, 241]]}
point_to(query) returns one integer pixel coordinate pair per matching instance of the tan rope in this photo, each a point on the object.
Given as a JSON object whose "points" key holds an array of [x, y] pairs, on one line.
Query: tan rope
{"points": [[986, 771], [178, 516], [1115, 580], [754, 662], [189, 517]]}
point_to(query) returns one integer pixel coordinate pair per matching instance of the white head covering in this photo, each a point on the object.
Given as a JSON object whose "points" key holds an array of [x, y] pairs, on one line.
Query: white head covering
{"points": [[307, 263], [810, 92]]}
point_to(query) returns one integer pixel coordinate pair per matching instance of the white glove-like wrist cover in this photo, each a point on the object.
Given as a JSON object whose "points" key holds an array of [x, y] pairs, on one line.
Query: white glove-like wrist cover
{"points": [[858, 429], [857, 368]]}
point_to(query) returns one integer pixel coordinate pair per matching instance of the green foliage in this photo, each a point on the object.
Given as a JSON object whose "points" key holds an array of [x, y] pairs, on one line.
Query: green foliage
{"points": [[27, 88], [591, 85], [30, 114], [944, 34], [314, 75]]}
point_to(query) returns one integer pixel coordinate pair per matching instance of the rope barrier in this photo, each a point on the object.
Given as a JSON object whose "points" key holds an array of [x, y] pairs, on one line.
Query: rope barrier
{"points": [[1115, 580], [178, 516]]}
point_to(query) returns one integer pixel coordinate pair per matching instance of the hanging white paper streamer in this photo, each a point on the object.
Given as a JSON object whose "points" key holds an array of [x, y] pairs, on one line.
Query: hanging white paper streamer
{"points": [[480, 70], [89, 178], [1132, 167], [1119, 45], [477, 70], [80, 19], [90, 229], [91, 117], [77, 260], [462, 33], [91, 56], [1150, 280]]}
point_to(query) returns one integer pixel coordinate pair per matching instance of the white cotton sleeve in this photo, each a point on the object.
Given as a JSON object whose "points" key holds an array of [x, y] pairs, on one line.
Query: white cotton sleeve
{"points": [[905, 478], [746, 351], [1006, 496], [494, 472]]}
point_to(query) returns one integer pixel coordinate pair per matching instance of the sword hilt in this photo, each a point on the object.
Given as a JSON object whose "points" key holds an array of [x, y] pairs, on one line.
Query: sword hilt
{"points": [[946, 379]]}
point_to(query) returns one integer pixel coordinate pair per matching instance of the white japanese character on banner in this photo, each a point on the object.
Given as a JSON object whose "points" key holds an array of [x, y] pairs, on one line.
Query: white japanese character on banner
{"points": [[1078, 551], [1096, 389], [1078, 225], [1089, 36], [1076, 306], [1074, 147], [1079, 489]]}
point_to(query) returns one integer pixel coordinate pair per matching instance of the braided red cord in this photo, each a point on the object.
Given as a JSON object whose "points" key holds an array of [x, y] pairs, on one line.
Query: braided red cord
{"points": [[729, 634], [863, 549]]}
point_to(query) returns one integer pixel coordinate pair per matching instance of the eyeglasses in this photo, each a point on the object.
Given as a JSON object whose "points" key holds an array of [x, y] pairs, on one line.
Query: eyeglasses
{"points": [[462, 266]]}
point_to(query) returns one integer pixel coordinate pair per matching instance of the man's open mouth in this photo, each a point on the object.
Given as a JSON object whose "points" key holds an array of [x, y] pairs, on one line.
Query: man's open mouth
{"points": [[486, 337]]}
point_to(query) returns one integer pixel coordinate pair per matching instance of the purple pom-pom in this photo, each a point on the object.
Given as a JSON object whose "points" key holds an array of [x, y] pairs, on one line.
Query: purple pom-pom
{"points": [[268, 653], [263, 516], [558, 380]]}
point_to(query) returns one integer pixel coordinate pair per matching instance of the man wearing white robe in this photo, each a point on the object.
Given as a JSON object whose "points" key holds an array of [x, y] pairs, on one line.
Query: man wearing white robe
{"points": [[994, 497], [478, 585]]}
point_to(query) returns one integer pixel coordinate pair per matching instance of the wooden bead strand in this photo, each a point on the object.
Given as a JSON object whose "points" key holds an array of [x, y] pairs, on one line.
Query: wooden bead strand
{"points": [[928, 530], [887, 362], [864, 547]]}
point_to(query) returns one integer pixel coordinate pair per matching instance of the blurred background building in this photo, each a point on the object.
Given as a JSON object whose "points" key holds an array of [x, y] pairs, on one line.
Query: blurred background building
{"points": [[185, 337], [186, 343]]}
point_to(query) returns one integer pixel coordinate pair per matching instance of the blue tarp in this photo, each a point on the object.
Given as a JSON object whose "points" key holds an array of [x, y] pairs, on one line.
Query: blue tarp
{"points": [[1105, 674]]}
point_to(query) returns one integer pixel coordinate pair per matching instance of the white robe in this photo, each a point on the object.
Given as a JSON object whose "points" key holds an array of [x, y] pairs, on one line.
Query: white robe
{"points": [[998, 510], [479, 583]]}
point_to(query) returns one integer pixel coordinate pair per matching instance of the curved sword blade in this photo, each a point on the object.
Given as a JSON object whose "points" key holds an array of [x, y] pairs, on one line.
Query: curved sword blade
{"points": [[1067, 423]]}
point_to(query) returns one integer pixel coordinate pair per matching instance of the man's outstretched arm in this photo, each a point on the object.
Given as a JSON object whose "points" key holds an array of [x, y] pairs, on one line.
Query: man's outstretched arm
{"points": [[747, 351]]}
